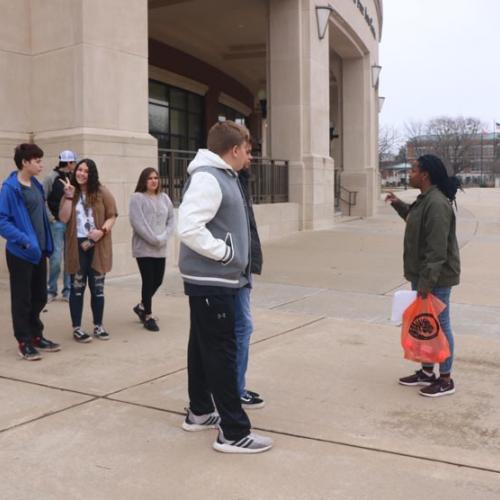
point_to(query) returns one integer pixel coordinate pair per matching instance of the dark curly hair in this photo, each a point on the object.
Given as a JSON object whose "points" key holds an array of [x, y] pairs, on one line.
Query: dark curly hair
{"points": [[438, 175], [93, 183]]}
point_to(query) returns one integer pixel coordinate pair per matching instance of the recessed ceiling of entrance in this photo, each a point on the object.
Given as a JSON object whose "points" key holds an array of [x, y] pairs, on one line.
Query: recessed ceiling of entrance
{"points": [[228, 34]]}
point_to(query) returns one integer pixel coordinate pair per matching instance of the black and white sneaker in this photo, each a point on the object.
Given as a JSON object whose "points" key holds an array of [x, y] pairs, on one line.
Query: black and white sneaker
{"points": [[46, 345], [100, 333], [249, 401], [440, 387], [28, 352], [151, 325], [193, 423], [253, 443], [80, 336], [141, 313], [252, 393], [418, 378]]}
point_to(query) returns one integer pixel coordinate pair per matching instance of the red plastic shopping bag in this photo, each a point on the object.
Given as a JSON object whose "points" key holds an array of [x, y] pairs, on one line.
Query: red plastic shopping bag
{"points": [[422, 337]]}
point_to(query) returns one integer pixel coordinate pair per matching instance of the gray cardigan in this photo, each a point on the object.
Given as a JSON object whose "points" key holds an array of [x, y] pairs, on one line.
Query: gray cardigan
{"points": [[152, 220]]}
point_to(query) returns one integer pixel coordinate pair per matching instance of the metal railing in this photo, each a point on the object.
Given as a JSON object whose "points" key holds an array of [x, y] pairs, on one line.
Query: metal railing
{"points": [[343, 194], [268, 181]]}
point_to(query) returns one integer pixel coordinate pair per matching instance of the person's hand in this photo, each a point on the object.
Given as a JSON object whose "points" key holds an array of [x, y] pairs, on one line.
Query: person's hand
{"points": [[96, 234], [391, 197], [69, 189]]}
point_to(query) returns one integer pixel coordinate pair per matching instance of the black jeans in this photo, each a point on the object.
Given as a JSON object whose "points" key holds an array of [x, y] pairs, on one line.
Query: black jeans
{"points": [[212, 363], [152, 270], [28, 296], [78, 284]]}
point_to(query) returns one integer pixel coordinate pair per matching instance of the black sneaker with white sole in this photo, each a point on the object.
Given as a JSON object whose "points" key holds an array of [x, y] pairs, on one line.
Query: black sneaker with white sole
{"points": [[249, 402], [100, 333], [253, 443], [441, 387], [28, 352], [193, 423], [46, 345], [141, 313], [80, 336], [252, 393], [418, 378]]}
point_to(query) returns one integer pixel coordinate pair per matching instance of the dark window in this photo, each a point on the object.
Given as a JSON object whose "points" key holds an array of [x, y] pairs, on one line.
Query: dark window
{"points": [[227, 113], [175, 117]]}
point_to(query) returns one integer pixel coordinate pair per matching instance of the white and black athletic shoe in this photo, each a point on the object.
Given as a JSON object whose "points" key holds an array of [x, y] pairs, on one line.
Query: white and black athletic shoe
{"points": [[249, 401], [253, 443], [80, 336], [193, 423], [420, 377], [440, 387], [100, 333], [27, 351]]}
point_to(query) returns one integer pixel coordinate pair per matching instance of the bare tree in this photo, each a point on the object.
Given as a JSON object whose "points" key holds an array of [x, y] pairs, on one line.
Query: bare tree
{"points": [[389, 140], [449, 138]]}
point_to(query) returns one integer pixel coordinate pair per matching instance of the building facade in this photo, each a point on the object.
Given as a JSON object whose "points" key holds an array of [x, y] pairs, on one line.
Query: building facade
{"points": [[125, 81]]}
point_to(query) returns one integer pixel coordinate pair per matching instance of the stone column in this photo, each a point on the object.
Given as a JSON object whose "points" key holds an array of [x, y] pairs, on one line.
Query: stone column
{"points": [[298, 103], [359, 135], [89, 93]]}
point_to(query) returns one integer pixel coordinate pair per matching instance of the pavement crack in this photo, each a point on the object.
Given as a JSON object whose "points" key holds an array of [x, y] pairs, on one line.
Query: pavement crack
{"points": [[380, 450]]}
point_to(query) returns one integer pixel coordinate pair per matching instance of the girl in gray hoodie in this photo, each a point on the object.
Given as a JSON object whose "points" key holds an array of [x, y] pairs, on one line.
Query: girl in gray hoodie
{"points": [[151, 215]]}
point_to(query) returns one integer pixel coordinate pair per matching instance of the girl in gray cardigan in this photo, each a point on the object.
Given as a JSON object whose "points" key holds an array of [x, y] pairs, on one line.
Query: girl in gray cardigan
{"points": [[151, 215]]}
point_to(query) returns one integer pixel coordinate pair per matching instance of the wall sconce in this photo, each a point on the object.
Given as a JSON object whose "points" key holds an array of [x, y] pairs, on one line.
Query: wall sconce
{"points": [[333, 132], [262, 97], [221, 118], [322, 17], [376, 69], [381, 101]]}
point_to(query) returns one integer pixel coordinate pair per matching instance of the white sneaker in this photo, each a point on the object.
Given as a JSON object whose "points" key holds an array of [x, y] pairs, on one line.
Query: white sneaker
{"points": [[253, 443], [193, 423]]}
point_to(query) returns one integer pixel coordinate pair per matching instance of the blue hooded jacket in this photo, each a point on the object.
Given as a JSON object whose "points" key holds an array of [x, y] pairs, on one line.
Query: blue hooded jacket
{"points": [[15, 222]]}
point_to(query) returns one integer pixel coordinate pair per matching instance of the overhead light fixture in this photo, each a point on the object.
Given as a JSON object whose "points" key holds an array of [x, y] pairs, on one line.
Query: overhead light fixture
{"points": [[376, 69], [381, 101], [322, 17]]}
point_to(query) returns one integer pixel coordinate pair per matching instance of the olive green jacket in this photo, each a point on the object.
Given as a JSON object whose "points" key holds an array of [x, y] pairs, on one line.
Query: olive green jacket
{"points": [[431, 255]]}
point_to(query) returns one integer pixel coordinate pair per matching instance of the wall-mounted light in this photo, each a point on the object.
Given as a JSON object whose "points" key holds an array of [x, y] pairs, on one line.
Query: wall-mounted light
{"points": [[333, 132], [376, 69], [262, 97], [221, 118], [322, 17], [381, 101]]}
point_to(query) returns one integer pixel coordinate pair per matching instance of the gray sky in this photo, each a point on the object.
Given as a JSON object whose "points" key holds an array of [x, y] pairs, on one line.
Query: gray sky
{"points": [[440, 57]]}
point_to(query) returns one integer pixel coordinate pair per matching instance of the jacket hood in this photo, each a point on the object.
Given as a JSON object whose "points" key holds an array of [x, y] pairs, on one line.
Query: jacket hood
{"points": [[206, 158]]}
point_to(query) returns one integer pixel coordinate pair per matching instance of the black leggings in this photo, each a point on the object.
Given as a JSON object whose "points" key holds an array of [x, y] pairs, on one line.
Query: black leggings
{"points": [[152, 270], [78, 284]]}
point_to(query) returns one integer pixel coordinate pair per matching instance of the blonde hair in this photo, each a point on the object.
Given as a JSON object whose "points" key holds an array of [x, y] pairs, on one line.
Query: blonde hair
{"points": [[223, 136]]}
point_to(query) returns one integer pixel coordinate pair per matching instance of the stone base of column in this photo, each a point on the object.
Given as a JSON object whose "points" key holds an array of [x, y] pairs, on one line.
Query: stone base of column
{"points": [[120, 157], [311, 186], [364, 182]]}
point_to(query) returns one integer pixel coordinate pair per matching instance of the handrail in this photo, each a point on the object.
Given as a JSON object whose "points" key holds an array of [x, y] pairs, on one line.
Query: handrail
{"points": [[351, 198]]}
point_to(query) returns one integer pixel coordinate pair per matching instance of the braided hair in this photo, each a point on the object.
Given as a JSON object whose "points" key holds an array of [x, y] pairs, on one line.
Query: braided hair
{"points": [[438, 175]]}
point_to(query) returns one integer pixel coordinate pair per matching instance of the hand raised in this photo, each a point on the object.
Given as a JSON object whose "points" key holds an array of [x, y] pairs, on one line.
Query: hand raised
{"points": [[391, 197], [69, 189]]}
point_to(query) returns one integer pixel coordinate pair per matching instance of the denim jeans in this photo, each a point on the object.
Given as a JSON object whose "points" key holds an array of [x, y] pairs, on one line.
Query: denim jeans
{"points": [[243, 329], [58, 230], [443, 294], [78, 284]]}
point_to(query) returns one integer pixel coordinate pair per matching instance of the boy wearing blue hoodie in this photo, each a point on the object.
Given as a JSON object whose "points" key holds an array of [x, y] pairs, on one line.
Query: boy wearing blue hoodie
{"points": [[25, 226]]}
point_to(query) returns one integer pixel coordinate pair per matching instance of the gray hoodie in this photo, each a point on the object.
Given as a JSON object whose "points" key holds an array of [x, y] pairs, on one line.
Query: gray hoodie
{"points": [[213, 225]]}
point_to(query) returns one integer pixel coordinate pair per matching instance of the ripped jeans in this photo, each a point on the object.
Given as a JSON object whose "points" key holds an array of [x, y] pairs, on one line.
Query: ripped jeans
{"points": [[78, 285]]}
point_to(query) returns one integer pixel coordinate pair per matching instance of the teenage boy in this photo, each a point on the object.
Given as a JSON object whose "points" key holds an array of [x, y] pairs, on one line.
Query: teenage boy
{"points": [[54, 191], [25, 226], [214, 231]]}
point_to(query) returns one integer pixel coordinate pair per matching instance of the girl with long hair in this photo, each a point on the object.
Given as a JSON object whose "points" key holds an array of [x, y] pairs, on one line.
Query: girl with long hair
{"points": [[151, 215], [89, 210], [431, 256]]}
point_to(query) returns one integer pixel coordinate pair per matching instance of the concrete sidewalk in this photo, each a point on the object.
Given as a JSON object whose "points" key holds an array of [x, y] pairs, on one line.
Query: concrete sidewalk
{"points": [[102, 420]]}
